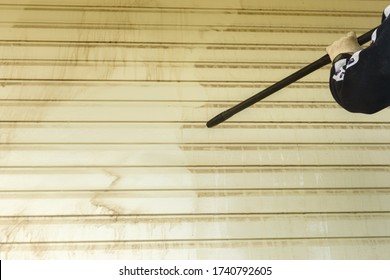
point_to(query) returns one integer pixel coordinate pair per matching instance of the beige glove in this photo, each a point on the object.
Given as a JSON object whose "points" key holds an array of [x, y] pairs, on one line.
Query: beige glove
{"points": [[347, 44]]}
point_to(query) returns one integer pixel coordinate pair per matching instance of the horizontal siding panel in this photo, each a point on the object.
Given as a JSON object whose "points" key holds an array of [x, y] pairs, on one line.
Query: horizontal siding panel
{"points": [[356, 248], [30, 111], [158, 71], [98, 54], [84, 18], [170, 133], [161, 35], [194, 178], [305, 5], [168, 228], [175, 202], [193, 155], [154, 91]]}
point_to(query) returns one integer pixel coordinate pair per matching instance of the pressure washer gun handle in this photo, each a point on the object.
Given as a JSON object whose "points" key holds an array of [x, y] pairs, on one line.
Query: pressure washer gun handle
{"points": [[366, 37]]}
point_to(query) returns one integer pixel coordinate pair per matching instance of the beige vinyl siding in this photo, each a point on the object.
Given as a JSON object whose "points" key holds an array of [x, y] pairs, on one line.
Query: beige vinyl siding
{"points": [[104, 152]]}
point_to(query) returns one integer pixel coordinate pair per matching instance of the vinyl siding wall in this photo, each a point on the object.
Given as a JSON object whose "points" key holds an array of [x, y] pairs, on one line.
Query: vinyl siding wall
{"points": [[105, 153]]}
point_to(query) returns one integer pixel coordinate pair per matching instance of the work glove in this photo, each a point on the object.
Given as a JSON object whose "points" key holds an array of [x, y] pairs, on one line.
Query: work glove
{"points": [[347, 44]]}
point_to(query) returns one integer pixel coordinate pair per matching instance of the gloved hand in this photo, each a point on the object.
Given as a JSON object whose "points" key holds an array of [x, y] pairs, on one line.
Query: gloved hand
{"points": [[347, 44]]}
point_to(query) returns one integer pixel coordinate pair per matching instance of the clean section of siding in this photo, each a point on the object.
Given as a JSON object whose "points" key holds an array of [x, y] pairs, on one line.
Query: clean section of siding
{"points": [[105, 153]]}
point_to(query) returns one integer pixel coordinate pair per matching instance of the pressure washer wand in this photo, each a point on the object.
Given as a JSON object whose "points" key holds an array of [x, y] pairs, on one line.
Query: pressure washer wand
{"points": [[366, 37]]}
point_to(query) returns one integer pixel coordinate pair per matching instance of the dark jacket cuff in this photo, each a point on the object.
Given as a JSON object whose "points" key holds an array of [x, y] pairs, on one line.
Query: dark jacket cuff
{"points": [[341, 56]]}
